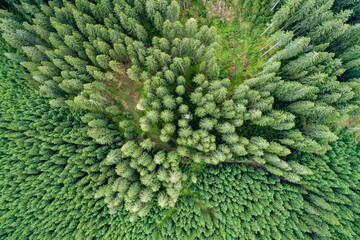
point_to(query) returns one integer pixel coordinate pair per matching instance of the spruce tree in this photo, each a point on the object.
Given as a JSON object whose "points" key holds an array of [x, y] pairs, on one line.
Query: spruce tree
{"points": [[133, 64]]}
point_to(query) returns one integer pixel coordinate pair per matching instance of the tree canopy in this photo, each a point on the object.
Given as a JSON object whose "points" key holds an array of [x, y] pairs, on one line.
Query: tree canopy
{"points": [[120, 111]]}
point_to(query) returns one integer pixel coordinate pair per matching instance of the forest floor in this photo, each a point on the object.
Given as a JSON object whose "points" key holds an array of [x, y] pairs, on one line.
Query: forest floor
{"points": [[352, 127], [240, 45]]}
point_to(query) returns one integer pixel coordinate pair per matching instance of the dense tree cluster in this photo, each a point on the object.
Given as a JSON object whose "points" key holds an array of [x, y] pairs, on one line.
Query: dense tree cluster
{"points": [[49, 171], [314, 75], [102, 57], [248, 203], [92, 56], [49, 166], [139, 109]]}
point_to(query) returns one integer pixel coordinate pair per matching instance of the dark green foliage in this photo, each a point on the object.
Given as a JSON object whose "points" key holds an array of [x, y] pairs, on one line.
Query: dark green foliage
{"points": [[333, 189], [225, 202], [49, 166], [134, 65], [50, 169], [353, 5]]}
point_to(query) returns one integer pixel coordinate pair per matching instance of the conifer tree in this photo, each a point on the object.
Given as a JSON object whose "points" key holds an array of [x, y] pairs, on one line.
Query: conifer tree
{"points": [[133, 64]]}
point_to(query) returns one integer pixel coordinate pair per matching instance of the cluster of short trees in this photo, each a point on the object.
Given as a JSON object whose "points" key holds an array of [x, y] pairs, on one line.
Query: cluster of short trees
{"points": [[150, 86]]}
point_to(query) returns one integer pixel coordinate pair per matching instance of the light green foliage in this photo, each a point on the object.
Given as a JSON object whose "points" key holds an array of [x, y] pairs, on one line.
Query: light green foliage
{"points": [[330, 25], [139, 66]]}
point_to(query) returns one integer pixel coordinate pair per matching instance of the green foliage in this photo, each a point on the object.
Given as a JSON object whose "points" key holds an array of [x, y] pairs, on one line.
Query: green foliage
{"points": [[49, 166], [331, 26], [332, 191], [50, 171], [154, 93]]}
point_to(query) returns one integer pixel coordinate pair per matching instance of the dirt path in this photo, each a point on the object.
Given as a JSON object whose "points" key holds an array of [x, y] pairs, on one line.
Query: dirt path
{"points": [[133, 98]]}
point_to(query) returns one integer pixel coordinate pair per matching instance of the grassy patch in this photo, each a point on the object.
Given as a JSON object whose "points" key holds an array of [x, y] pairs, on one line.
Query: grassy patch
{"points": [[240, 45]]}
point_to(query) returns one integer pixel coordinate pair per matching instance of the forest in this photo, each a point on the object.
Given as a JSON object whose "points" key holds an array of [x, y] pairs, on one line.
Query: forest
{"points": [[179, 119]]}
